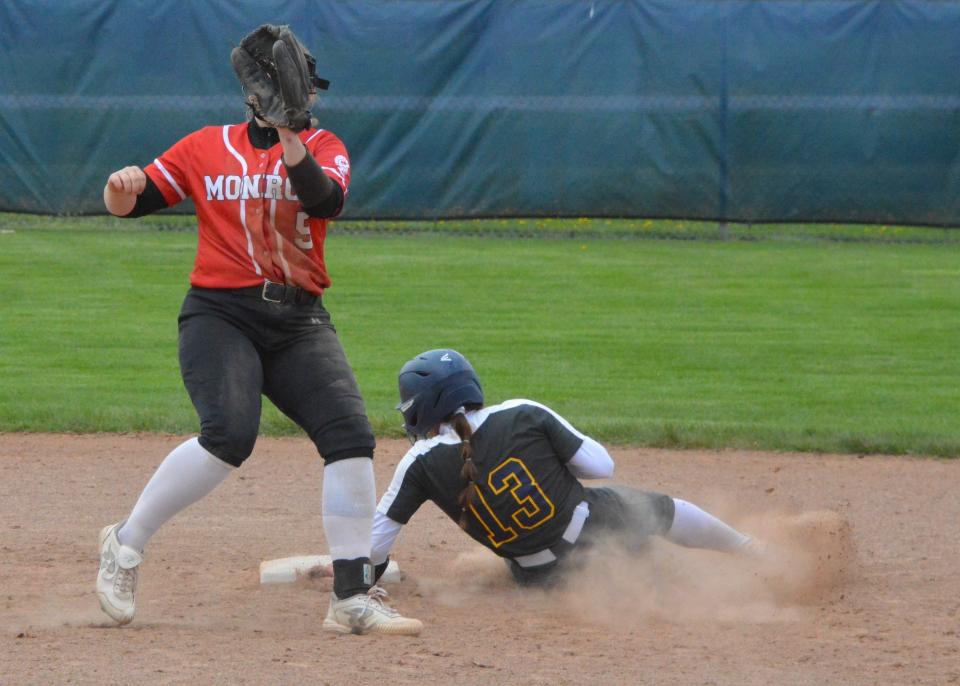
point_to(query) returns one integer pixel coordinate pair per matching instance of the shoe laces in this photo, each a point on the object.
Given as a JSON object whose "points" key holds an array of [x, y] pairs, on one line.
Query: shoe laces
{"points": [[378, 596], [126, 580]]}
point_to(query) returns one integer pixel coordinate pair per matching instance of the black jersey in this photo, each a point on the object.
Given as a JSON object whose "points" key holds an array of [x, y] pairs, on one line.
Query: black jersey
{"points": [[526, 493]]}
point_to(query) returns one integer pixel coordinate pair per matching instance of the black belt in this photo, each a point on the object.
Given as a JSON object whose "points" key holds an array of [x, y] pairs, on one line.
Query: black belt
{"points": [[280, 293]]}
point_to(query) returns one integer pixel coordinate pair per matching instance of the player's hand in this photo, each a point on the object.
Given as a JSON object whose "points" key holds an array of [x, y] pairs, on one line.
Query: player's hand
{"points": [[293, 148], [129, 180]]}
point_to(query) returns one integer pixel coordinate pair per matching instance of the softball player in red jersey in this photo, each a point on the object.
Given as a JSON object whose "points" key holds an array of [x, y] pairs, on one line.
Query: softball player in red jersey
{"points": [[253, 323], [509, 475]]}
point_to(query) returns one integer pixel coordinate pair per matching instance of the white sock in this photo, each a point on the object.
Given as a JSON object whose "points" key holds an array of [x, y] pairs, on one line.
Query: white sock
{"points": [[349, 500], [694, 528], [187, 474]]}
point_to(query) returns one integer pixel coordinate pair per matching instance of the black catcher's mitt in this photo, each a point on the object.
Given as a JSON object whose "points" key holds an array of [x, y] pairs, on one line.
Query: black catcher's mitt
{"points": [[277, 73]]}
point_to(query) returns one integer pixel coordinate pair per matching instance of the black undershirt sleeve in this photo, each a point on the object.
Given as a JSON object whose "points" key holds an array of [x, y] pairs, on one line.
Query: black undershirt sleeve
{"points": [[319, 195], [148, 202]]}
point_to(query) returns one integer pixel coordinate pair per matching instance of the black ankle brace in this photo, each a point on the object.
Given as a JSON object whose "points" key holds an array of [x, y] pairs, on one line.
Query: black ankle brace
{"points": [[351, 577]]}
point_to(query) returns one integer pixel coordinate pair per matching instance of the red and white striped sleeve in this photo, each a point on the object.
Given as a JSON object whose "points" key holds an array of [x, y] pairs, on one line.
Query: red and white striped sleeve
{"points": [[331, 154], [170, 171]]}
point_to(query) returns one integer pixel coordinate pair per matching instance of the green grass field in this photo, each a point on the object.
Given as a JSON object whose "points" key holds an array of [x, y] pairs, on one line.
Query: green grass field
{"points": [[777, 341]]}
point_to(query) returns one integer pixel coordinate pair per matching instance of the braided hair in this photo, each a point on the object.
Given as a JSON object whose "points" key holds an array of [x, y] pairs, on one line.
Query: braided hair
{"points": [[468, 472]]}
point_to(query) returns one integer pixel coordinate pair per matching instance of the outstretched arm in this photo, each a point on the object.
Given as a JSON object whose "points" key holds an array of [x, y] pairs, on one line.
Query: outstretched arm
{"points": [[402, 498], [385, 532]]}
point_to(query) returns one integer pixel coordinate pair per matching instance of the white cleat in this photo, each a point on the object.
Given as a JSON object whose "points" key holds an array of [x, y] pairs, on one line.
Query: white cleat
{"points": [[117, 579], [368, 613]]}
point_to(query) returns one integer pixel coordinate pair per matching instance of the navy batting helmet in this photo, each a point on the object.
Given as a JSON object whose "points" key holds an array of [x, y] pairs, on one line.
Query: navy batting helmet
{"points": [[432, 386]]}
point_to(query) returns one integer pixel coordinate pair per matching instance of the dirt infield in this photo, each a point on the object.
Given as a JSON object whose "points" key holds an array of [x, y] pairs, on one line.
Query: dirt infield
{"points": [[862, 587]]}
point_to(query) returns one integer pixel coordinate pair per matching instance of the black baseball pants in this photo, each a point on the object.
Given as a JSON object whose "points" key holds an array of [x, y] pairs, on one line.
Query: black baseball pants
{"points": [[235, 346]]}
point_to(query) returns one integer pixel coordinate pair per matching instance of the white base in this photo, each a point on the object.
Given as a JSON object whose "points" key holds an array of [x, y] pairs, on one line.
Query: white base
{"points": [[288, 569]]}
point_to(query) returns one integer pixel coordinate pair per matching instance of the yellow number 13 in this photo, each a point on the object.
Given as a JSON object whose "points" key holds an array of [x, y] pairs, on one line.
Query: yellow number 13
{"points": [[534, 508]]}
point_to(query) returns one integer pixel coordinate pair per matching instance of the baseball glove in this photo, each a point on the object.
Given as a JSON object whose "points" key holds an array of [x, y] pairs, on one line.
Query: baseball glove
{"points": [[276, 72]]}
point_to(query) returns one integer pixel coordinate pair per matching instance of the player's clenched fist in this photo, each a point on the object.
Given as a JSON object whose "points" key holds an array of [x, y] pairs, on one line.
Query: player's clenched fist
{"points": [[130, 180], [123, 187]]}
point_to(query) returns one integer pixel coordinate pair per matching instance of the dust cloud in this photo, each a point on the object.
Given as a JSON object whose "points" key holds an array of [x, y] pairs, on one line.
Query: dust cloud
{"points": [[809, 558]]}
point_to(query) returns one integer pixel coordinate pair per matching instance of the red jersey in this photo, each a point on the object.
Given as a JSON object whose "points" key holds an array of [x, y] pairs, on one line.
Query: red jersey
{"points": [[251, 224]]}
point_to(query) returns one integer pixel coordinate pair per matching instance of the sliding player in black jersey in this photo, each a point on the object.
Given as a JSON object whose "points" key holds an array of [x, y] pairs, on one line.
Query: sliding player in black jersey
{"points": [[509, 475]]}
